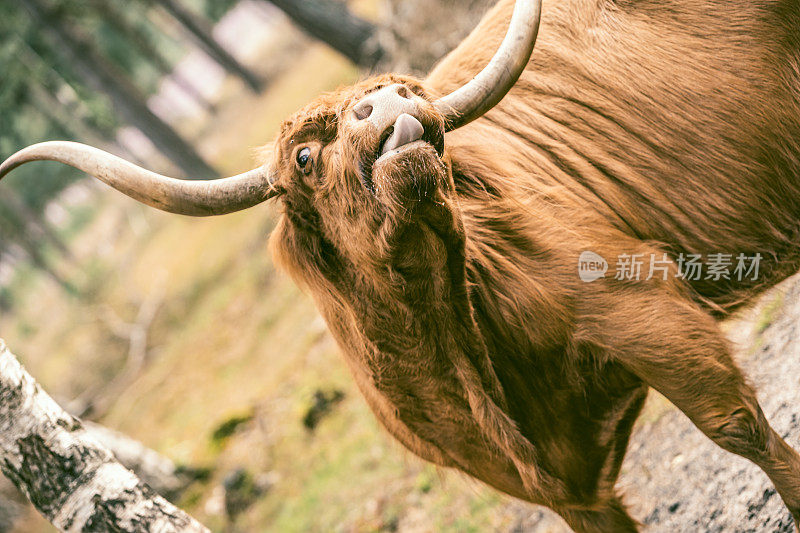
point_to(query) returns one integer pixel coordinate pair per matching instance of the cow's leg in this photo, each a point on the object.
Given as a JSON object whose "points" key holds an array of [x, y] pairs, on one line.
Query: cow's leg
{"points": [[610, 517], [677, 348]]}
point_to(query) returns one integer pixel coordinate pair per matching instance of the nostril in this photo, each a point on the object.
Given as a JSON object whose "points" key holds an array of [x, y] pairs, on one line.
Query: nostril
{"points": [[403, 91], [362, 111]]}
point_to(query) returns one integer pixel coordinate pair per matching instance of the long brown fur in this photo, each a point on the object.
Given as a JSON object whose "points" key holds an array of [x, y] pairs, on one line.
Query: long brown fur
{"points": [[448, 276]]}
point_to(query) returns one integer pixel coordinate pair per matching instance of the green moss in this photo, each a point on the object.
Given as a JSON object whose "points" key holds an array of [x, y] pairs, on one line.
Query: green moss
{"points": [[769, 313], [227, 428], [425, 480]]}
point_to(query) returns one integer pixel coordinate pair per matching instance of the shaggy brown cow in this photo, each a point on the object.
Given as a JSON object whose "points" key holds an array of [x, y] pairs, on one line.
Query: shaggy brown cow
{"points": [[446, 266]]}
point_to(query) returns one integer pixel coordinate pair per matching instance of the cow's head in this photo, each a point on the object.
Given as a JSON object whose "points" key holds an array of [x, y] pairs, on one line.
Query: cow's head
{"points": [[350, 158], [353, 159]]}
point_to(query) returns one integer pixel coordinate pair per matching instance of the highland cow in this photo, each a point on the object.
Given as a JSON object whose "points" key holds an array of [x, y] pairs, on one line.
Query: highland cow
{"points": [[439, 224]]}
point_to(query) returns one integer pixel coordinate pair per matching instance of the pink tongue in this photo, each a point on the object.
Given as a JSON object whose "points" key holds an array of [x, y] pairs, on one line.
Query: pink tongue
{"points": [[407, 129]]}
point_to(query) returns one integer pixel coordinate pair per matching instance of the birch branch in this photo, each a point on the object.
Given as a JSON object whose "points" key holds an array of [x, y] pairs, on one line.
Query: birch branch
{"points": [[67, 475], [159, 472]]}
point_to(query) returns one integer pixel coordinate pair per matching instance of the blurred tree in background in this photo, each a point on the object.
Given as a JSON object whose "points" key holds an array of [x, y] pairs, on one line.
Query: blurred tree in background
{"points": [[81, 71], [198, 28], [332, 22]]}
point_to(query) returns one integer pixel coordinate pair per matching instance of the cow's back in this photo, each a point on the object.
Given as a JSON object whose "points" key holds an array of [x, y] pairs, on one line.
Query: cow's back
{"points": [[678, 120]]}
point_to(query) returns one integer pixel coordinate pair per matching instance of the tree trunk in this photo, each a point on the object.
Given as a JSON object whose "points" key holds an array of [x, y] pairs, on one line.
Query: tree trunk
{"points": [[44, 102], [67, 475], [333, 23], [38, 226], [105, 77], [158, 472], [13, 228], [112, 15], [199, 29], [68, 106], [418, 33]]}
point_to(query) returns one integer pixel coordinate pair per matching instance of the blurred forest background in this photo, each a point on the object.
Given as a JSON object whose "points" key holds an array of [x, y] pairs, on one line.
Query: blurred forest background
{"points": [[179, 332]]}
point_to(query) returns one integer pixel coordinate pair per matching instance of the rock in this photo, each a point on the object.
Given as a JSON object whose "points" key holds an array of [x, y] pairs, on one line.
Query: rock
{"points": [[709, 489]]}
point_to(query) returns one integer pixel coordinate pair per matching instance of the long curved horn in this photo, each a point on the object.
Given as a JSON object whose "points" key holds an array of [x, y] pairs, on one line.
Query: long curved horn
{"points": [[184, 197], [485, 91]]}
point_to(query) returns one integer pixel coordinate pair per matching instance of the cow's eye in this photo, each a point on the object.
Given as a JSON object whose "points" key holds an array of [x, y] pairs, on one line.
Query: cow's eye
{"points": [[303, 157]]}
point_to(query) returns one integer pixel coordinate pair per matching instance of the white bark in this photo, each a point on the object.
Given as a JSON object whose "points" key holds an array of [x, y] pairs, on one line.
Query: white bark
{"points": [[69, 477], [157, 471]]}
